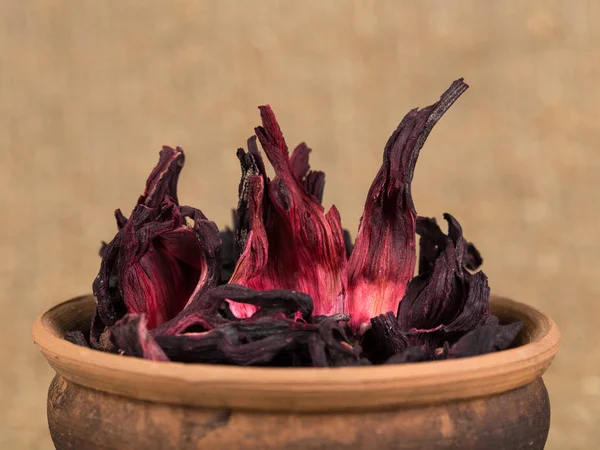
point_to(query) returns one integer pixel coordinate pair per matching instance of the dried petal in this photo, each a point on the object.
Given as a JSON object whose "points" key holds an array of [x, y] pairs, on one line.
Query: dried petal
{"points": [[448, 299], [332, 330], [130, 335], [217, 347], [248, 211], [316, 348], [312, 181], [77, 338], [228, 255], [384, 339], [256, 340], [383, 259], [254, 257], [109, 302], [162, 182], [433, 241], [157, 261], [411, 354], [348, 244], [204, 313], [485, 339], [305, 246], [164, 262], [277, 333], [475, 307], [157, 294]]}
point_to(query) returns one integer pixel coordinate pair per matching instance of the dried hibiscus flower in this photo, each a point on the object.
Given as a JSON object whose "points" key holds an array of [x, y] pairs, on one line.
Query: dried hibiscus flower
{"points": [[290, 242], [286, 285], [383, 259], [157, 261]]}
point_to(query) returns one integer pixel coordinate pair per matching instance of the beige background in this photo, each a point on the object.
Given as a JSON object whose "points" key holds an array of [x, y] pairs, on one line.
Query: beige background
{"points": [[89, 91]]}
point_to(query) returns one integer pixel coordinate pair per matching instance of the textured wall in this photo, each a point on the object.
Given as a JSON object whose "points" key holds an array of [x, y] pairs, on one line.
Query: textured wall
{"points": [[89, 91]]}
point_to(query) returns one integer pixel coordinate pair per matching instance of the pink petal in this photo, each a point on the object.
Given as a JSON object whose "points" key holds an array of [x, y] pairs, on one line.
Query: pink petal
{"points": [[383, 259], [306, 250]]}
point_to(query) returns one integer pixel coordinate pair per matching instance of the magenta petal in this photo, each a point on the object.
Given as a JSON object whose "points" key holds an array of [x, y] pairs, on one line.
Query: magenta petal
{"points": [[288, 240], [253, 259], [250, 235], [306, 246], [383, 260], [299, 161]]}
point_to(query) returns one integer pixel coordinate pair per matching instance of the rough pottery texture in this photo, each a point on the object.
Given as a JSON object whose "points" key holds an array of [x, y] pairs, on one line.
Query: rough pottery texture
{"points": [[106, 401], [82, 418]]}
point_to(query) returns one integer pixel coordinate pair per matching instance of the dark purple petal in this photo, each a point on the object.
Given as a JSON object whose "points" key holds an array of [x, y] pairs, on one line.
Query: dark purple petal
{"points": [[312, 181], [485, 339], [447, 298], [435, 299], [110, 306], [157, 261], [383, 259], [333, 332], [314, 184], [475, 307], [77, 338], [257, 340], [384, 339], [277, 332], [286, 301], [228, 255], [348, 244], [162, 182], [411, 354], [205, 311], [120, 218], [216, 347], [490, 319], [318, 354], [433, 241], [130, 335]]}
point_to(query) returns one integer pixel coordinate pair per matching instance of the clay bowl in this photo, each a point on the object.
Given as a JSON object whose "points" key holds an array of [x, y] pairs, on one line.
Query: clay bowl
{"points": [[105, 401]]}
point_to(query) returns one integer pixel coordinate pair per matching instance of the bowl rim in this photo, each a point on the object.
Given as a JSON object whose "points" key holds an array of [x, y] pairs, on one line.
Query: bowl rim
{"points": [[299, 389]]}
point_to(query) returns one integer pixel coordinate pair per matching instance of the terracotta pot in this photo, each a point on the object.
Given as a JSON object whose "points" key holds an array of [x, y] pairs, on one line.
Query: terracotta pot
{"points": [[105, 401]]}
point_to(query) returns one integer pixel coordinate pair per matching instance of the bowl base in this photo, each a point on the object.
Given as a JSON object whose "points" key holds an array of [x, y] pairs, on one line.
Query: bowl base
{"points": [[82, 418]]}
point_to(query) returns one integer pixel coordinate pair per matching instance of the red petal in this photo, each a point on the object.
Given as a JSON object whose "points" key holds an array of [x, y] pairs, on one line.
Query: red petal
{"points": [[253, 259], [152, 278], [156, 262], [383, 260], [306, 250], [163, 179]]}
